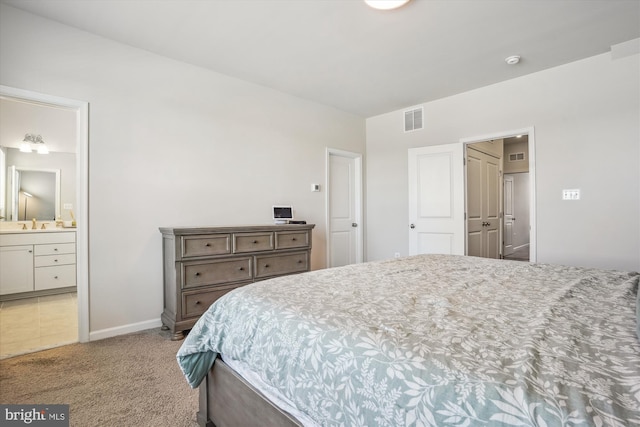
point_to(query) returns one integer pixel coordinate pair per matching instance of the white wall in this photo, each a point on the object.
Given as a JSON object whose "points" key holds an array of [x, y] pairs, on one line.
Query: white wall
{"points": [[586, 117], [171, 144]]}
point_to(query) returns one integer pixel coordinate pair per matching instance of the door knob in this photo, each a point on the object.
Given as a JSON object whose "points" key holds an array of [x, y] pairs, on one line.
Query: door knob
{"points": [[412, 226], [354, 224]]}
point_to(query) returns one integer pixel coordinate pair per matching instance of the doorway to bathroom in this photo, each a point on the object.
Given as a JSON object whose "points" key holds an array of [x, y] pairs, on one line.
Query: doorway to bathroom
{"points": [[63, 318]]}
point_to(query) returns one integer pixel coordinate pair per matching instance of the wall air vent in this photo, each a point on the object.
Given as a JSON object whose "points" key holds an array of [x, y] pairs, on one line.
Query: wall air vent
{"points": [[516, 157], [413, 119]]}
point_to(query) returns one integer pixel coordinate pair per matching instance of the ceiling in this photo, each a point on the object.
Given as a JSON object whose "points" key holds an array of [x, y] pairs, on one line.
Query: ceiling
{"points": [[344, 54]]}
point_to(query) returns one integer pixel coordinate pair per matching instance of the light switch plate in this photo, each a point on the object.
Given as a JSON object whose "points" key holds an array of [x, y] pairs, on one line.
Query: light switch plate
{"points": [[68, 206], [573, 194]]}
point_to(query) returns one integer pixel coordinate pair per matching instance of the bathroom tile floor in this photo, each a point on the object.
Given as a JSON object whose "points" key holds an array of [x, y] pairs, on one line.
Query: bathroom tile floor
{"points": [[34, 324]]}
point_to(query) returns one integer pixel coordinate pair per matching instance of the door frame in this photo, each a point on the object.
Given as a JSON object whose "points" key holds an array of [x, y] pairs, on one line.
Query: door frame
{"points": [[357, 157], [82, 193], [530, 131]]}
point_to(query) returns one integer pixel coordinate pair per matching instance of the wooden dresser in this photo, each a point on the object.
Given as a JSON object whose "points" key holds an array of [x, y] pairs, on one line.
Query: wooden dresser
{"points": [[203, 263]]}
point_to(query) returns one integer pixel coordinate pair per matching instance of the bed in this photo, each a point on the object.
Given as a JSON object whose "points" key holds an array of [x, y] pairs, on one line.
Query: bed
{"points": [[427, 340]]}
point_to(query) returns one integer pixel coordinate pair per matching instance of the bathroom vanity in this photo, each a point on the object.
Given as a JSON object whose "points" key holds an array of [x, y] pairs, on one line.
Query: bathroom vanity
{"points": [[37, 262]]}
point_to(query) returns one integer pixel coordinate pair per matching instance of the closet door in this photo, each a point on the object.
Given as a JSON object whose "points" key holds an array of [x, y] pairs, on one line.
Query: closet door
{"points": [[483, 204]]}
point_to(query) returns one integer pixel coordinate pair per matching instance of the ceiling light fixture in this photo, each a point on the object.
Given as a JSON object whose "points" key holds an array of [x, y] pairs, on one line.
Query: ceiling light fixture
{"points": [[386, 4], [512, 60], [31, 138]]}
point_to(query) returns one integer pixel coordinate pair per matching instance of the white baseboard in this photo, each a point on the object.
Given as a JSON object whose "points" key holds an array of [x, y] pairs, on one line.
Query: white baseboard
{"points": [[126, 329]]}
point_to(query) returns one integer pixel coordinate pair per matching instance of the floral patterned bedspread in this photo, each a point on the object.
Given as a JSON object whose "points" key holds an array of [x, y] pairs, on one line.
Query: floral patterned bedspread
{"points": [[436, 340]]}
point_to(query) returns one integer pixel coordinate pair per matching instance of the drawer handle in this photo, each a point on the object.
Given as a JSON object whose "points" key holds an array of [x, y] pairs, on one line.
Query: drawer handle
{"points": [[197, 274], [241, 269], [197, 302], [294, 239], [55, 249], [299, 261], [55, 277], [255, 241], [266, 266], [208, 244], [55, 260]]}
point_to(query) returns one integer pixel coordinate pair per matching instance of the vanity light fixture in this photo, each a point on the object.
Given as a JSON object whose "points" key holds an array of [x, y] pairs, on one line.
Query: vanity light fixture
{"points": [[31, 138], [386, 4]]}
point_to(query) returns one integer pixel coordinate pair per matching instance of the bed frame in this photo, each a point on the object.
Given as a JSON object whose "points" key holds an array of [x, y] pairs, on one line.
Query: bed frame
{"points": [[227, 400]]}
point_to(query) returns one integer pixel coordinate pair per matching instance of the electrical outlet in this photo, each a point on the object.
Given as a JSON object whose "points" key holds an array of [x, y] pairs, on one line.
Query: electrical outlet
{"points": [[68, 206]]}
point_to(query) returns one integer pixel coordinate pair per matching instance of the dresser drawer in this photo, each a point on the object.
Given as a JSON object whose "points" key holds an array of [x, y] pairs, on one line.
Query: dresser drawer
{"points": [[55, 277], [215, 272], [51, 260], [274, 265], [196, 303], [218, 244], [252, 242], [56, 248], [292, 239]]}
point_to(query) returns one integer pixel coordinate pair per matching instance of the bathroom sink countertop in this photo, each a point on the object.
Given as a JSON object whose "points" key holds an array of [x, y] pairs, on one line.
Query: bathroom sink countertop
{"points": [[39, 230]]}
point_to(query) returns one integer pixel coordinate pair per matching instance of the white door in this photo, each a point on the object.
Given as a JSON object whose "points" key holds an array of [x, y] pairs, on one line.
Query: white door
{"points": [[483, 204], [508, 215], [436, 200], [344, 206]]}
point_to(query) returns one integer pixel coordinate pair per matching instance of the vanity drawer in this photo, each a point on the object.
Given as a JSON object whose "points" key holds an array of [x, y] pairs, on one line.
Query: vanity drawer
{"points": [[252, 242], [55, 277], [57, 248], [218, 244], [51, 260], [292, 239], [215, 272], [196, 303], [274, 265]]}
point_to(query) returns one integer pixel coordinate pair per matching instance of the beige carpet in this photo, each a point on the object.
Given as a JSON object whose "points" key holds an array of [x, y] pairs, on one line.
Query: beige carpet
{"points": [[130, 380]]}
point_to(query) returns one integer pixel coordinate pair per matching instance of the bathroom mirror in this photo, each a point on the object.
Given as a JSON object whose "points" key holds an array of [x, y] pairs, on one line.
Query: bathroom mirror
{"points": [[33, 193]]}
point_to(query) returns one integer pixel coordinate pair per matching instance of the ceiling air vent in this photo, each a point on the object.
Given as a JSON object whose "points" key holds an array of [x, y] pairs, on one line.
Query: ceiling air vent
{"points": [[413, 120]]}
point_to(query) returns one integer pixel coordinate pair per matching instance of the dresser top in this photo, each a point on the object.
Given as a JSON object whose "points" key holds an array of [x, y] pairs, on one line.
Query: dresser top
{"points": [[180, 231]]}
